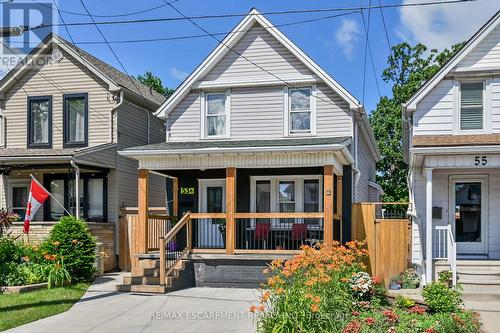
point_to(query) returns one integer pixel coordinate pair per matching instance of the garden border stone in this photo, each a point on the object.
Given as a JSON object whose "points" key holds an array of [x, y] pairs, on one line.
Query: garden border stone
{"points": [[22, 289]]}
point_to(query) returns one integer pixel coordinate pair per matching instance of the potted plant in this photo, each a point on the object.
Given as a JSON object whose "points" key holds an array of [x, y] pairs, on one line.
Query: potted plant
{"points": [[410, 279], [6, 219], [446, 277], [221, 225]]}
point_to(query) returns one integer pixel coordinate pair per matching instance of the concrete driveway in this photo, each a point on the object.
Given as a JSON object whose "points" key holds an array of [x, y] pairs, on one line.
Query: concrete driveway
{"points": [[191, 310]]}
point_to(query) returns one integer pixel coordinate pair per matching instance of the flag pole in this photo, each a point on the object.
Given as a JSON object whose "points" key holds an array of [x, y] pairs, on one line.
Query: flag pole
{"points": [[35, 180]]}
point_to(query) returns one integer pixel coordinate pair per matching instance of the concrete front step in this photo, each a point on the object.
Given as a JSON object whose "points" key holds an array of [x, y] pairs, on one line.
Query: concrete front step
{"points": [[142, 288]]}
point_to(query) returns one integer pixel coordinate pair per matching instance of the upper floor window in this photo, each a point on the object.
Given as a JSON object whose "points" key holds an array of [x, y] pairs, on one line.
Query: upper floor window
{"points": [[216, 115], [40, 122], [471, 106], [75, 120], [300, 117]]}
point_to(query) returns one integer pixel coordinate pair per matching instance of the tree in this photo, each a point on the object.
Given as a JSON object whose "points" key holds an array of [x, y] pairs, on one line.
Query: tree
{"points": [[155, 83], [408, 68]]}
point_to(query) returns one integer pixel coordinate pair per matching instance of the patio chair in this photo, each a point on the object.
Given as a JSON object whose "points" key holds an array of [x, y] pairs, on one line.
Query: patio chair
{"points": [[262, 232], [299, 233]]}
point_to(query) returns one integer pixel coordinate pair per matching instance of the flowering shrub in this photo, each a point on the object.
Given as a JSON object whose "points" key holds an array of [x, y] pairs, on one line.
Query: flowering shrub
{"points": [[327, 290], [6, 219], [361, 284]]}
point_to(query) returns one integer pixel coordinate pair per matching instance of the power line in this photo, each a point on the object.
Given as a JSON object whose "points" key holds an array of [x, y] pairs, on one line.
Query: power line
{"points": [[127, 41], [218, 16], [369, 48], [115, 15], [385, 28], [116, 56]]}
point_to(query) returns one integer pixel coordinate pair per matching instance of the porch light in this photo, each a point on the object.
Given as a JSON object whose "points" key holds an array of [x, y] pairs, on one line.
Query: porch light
{"points": [[12, 31]]}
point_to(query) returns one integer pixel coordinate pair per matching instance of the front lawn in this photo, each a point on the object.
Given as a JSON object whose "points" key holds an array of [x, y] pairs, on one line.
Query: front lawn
{"points": [[20, 309]]}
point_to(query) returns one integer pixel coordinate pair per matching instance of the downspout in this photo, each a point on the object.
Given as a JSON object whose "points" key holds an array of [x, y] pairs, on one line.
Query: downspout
{"points": [[358, 114], [113, 112], [77, 188]]}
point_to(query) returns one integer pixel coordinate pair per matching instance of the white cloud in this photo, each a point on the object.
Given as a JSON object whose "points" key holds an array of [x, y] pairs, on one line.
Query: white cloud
{"points": [[440, 26], [178, 74], [347, 36]]}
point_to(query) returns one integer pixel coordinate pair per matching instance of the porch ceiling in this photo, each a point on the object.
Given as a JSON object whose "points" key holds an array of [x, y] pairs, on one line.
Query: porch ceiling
{"points": [[244, 154]]}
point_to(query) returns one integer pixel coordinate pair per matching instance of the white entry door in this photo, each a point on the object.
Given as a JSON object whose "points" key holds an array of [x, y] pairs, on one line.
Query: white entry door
{"points": [[469, 213], [212, 199]]}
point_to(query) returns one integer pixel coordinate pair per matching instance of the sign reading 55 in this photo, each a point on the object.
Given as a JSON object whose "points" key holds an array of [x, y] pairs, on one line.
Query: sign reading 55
{"points": [[480, 160]]}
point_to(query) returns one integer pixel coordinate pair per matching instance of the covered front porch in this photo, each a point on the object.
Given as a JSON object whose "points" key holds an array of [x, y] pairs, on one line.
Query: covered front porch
{"points": [[234, 203]]}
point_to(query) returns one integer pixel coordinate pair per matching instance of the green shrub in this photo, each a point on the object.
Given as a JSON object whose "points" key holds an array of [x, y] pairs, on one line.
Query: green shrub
{"points": [[445, 276], [9, 251], [403, 302], [440, 298], [71, 241]]}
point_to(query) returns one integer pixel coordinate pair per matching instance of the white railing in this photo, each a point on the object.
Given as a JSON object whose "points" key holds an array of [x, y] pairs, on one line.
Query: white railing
{"points": [[446, 249]]}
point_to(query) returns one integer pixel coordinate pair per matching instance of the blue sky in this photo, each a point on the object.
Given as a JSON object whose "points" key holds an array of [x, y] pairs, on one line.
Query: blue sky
{"points": [[336, 44]]}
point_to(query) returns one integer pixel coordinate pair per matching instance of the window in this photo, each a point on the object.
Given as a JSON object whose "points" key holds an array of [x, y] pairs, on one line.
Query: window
{"points": [[311, 198], [471, 106], [92, 191], [40, 122], [286, 196], [75, 120], [216, 115], [19, 199], [300, 110]]}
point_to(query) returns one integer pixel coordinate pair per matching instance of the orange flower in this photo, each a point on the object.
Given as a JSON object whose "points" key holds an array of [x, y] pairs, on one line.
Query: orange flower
{"points": [[56, 243], [280, 291], [261, 308], [314, 307], [265, 296], [74, 241], [253, 308]]}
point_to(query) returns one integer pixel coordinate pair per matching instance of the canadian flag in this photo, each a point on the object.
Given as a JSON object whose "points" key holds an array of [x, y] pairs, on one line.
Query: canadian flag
{"points": [[38, 195]]}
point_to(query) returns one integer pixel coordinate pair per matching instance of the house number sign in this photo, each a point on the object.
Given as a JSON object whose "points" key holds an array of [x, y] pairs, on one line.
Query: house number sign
{"points": [[187, 190], [480, 160]]}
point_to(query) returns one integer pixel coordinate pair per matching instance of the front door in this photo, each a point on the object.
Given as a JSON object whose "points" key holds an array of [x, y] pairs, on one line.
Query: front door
{"points": [[212, 199], [468, 214]]}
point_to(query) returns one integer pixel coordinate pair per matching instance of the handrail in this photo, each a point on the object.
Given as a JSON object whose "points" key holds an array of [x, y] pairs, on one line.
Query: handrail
{"points": [[178, 226], [296, 215], [451, 253], [160, 217]]}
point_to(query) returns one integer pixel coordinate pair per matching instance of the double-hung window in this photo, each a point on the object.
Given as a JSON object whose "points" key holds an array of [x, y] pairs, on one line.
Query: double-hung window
{"points": [[75, 120], [471, 106], [301, 113], [40, 122], [216, 115]]}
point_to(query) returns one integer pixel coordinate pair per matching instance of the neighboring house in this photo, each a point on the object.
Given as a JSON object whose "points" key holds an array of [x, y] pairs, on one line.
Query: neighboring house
{"points": [[260, 128], [72, 114], [452, 138]]}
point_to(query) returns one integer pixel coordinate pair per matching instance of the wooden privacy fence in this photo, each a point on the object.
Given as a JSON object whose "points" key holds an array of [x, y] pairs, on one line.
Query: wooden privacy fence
{"points": [[386, 230]]}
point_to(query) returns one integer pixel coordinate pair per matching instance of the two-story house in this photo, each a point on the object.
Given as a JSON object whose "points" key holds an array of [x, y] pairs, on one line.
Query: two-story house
{"points": [[63, 116], [268, 152], [452, 136]]}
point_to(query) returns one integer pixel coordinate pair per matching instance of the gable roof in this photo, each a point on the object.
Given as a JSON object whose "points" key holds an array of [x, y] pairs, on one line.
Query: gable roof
{"points": [[109, 74], [225, 47], [411, 104]]}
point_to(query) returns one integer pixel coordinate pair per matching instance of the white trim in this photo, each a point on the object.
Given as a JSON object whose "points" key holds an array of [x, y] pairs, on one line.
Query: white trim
{"points": [[203, 113], [232, 38], [484, 180], [457, 106], [287, 111], [255, 83], [411, 104], [16, 183]]}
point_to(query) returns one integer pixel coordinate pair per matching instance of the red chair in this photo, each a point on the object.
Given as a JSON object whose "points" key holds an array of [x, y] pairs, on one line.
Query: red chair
{"points": [[262, 231], [299, 232]]}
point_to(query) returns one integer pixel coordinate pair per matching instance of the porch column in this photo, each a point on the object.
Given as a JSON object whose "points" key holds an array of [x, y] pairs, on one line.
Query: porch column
{"points": [[328, 204], [428, 224], [175, 196], [141, 238], [339, 204], [230, 209]]}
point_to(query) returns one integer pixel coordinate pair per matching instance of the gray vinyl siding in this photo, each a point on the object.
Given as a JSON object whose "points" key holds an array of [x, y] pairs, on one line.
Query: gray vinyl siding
{"points": [[434, 115], [258, 113], [132, 131], [261, 48], [367, 167], [64, 77], [105, 157], [486, 55]]}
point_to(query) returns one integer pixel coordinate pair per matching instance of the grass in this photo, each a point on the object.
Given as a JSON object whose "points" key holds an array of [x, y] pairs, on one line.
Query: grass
{"points": [[20, 309]]}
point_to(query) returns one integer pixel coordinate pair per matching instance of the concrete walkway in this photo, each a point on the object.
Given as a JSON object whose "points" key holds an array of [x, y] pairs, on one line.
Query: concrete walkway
{"points": [[488, 306], [191, 310]]}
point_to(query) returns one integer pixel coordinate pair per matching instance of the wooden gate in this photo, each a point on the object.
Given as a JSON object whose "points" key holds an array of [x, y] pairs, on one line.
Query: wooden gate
{"points": [[386, 230]]}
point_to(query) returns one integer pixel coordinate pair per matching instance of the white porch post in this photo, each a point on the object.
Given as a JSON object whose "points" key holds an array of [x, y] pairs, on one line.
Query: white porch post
{"points": [[3, 190], [428, 224]]}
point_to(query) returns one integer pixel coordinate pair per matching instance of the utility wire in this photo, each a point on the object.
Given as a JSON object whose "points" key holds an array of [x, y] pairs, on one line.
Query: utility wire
{"points": [[385, 28], [115, 15], [127, 41], [116, 56], [218, 16], [369, 48]]}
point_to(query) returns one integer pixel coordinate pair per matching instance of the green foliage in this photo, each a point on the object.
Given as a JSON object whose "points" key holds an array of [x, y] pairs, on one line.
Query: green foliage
{"points": [[440, 298], [445, 276], [410, 279], [70, 240], [408, 68], [155, 83], [403, 302], [58, 275], [6, 219]]}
